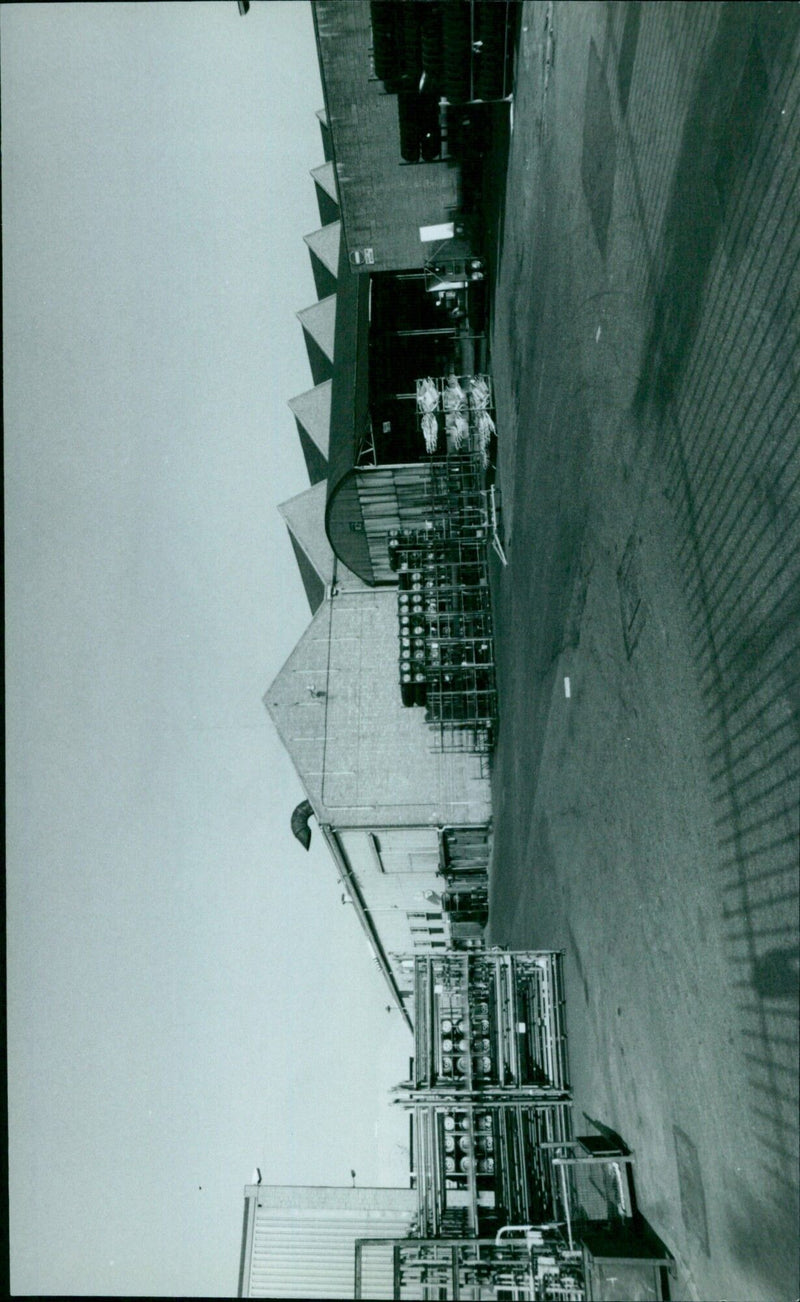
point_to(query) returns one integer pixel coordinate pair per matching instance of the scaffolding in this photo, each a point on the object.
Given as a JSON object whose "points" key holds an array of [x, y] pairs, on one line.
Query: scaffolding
{"points": [[497, 1016], [510, 1203], [473, 1269], [447, 653], [489, 1091], [489, 1159], [593, 1184], [535, 1266]]}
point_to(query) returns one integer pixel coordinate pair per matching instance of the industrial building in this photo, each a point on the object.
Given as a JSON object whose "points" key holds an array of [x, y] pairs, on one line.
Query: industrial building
{"points": [[411, 290], [407, 819], [402, 156], [299, 1241]]}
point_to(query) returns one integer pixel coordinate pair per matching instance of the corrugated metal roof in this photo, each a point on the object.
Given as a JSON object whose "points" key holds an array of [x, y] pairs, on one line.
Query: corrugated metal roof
{"points": [[315, 1257], [307, 1249]]}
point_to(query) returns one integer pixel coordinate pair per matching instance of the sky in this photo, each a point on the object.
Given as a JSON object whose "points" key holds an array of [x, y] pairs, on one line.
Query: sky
{"points": [[187, 996]]}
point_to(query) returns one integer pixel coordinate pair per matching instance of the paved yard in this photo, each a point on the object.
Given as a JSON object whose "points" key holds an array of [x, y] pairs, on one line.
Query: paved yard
{"points": [[645, 356]]}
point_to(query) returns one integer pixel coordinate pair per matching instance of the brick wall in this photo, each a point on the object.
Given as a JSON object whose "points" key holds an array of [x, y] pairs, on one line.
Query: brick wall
{"points": [[380, 765], [364, 759]]}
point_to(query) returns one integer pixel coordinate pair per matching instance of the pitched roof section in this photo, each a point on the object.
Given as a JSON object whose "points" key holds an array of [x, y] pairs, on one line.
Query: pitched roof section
{"points": [[312, 410], [320, 321], [319, 329], [315, 588], [325, 178], [327, 196], [305, 520], [363, 759], [297, 709], [323, 246], [316, 465], [328, 207]]}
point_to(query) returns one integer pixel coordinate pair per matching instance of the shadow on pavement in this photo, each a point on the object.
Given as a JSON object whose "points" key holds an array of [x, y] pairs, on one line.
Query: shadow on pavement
{"points": [[721, 381], [599, 156], [724, 120]]}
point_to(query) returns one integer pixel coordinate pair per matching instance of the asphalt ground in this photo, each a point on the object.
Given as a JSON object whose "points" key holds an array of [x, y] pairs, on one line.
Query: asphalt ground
{"points": [[644, 350]]}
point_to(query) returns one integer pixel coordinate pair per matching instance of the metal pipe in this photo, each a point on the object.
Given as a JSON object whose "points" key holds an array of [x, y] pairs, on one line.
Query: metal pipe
{"points": [[563, 1175]]}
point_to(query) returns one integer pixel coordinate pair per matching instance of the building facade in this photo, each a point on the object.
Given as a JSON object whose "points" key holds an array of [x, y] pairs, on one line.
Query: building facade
{"points": [[408, 826], [408, 87], [299, 1241], [407, 822], [383, 202], [407, 229]]}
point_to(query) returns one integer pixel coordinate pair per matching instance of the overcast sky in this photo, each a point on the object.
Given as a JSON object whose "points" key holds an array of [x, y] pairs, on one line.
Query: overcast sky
{"points": [[187, 997]]}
